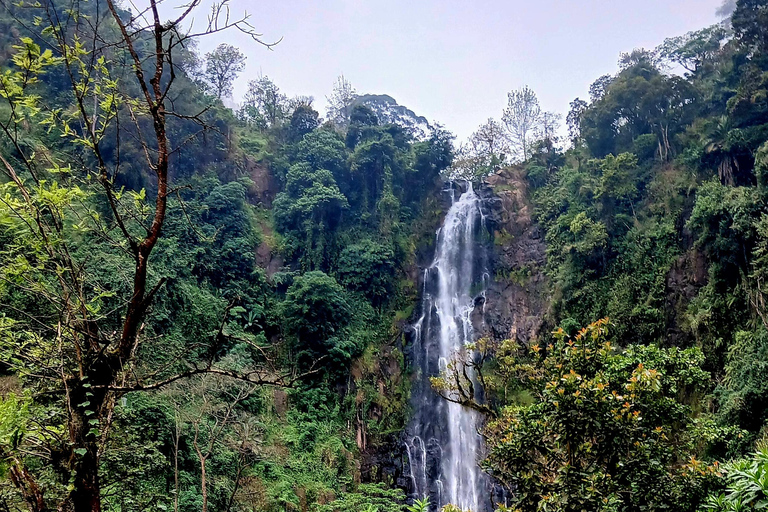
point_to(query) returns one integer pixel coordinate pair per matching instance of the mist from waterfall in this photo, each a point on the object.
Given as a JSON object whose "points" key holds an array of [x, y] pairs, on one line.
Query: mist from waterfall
{"points": [[444, 446]]}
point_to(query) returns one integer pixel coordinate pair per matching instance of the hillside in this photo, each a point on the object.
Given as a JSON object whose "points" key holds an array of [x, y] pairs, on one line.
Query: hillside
{"points": [[270, 309]]}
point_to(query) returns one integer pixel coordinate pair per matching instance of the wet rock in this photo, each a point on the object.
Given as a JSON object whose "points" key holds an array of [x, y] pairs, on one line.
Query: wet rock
{"points": [[517, 298], [685, 278]]}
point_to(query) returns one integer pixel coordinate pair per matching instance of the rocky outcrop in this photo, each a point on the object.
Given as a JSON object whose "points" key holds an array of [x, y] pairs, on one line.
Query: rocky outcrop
{"points": [[517, 299], [265, 186], [685, 278]]}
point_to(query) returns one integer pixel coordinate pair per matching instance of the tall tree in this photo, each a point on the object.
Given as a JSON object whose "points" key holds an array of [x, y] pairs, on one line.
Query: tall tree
{"points": [[341, 101], [694, 49], [264, 104], [522, 118], [222, 66], [573, 119], [78, 356], [750, 23]]}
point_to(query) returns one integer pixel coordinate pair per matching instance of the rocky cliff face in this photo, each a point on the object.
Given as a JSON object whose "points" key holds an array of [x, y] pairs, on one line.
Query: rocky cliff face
{"points": [[517, 299]]}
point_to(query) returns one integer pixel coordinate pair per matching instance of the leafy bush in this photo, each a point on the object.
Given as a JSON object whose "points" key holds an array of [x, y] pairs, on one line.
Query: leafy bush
{"points": [[369, 268]]}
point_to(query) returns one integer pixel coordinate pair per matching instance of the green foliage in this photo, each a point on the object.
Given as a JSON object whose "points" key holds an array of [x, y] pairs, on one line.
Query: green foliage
{"points": [[656, 216], [369, 268], [604, 424], [308, 212], [367, 498], [419, 506], [746, 485], [639, 100], [743, 392], [315, 307]]}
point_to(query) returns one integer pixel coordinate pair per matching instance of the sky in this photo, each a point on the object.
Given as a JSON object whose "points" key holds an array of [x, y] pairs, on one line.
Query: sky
{"points": [[452, 61]]}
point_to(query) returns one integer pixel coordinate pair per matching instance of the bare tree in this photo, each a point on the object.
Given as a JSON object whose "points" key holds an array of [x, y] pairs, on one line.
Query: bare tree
{"points": [[341, 101], [211, 410], [522, 118]]}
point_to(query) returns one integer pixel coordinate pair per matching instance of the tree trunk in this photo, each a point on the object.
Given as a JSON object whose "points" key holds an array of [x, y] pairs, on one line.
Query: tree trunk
{"points": [[87, 404], [204, 485], [86, 496], [30, 491]]}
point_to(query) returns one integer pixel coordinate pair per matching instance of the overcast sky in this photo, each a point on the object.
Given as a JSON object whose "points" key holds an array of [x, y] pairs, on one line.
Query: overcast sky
{"points": [[454, 61]]}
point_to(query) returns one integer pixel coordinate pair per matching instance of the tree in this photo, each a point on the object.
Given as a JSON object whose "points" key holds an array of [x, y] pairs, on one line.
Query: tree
{"points": [[211, 408], [750, 24], [304, 119], [369, 268], [222, 66], [548, 139], [264, 104], [598, 88], [485, 152], [693, 49], [341, 101], [309, 210], [573, 119], [522, 118], [315, 309], [323, 149], [639, 100], [603, 426], [77, 355], [490, 141], [639, 57]]}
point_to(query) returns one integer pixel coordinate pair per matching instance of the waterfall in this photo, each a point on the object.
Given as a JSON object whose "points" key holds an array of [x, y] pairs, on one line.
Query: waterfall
{"points": [[443, 444]]}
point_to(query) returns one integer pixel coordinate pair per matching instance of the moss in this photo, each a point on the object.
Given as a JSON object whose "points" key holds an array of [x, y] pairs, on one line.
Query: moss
{"points": [[502, 237], [520, 276]]}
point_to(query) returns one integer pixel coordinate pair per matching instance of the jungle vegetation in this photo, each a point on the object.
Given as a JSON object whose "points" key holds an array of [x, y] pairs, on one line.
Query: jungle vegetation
{"points": [[201, 308]]}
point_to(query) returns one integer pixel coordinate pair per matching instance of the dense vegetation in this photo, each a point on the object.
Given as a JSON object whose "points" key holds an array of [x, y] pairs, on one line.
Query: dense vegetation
{"points": [[201, 308], [627, 233], [654, 218], [262, 356]]}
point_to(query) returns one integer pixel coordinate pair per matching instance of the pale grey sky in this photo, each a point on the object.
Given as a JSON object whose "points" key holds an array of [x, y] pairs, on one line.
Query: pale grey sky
{"points": [[454, 61]]}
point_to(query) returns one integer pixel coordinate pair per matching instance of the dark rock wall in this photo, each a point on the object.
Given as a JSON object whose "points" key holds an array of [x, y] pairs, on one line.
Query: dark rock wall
{"points": [[517, 300]]}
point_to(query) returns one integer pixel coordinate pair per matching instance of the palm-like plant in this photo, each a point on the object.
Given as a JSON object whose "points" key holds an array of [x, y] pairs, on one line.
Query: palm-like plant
{"points": [[419, 506], [718, 143], [747, 487]]}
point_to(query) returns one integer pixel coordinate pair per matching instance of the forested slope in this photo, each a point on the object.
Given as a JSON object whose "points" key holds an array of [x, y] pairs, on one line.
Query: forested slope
{"points": [[245, 387], [203, 308], [652, 220]]}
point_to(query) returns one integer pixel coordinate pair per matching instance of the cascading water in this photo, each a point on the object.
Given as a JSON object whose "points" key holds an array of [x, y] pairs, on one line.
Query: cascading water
{"points": [[443, 445]]}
